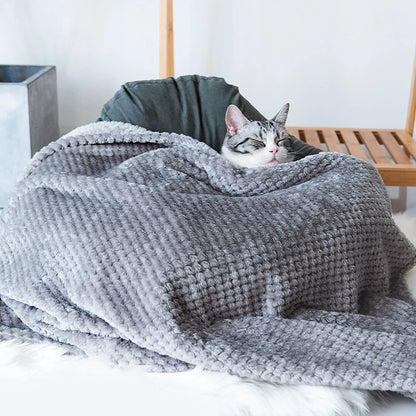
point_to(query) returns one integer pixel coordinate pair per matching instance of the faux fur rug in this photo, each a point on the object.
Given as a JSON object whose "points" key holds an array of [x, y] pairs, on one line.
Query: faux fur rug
{"points": [[77, 386]]}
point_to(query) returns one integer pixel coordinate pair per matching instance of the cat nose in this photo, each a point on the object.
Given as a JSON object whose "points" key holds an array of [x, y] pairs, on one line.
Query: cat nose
{"points": [[274, 151]]}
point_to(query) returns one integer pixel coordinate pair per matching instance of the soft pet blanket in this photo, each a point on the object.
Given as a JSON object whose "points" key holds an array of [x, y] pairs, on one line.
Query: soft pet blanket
{"points": [[150, 248]]}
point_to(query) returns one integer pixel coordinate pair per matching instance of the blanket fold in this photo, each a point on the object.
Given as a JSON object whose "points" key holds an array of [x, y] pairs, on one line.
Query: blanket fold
{"points": [[152, 249]]}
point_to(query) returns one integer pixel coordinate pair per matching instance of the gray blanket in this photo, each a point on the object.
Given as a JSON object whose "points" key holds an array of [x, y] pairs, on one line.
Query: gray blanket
{"points": [[150, 248]]}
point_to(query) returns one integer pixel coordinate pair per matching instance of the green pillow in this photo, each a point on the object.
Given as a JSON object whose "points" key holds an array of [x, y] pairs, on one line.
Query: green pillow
{"points": [[192, 105]]}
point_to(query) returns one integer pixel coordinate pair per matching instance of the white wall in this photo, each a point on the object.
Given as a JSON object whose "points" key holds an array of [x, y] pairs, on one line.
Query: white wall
{"points": [[96, 45], [341, 62], [344, 62]]}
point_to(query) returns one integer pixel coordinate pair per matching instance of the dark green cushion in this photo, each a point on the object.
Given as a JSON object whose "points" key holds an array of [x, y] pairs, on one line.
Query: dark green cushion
{"points": [[193, 105]]}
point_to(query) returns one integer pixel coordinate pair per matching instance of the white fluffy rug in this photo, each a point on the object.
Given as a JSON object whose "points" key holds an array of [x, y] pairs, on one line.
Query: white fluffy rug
{"points": [[40, 380]]}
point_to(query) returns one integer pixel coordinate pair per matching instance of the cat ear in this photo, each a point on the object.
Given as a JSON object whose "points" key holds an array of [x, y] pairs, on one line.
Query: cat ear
{"points": [[281, 116], [234, 119]]}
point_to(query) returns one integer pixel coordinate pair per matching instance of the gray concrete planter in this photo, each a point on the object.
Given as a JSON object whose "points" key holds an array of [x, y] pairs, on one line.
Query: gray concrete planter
{"points": [[28, 118]]}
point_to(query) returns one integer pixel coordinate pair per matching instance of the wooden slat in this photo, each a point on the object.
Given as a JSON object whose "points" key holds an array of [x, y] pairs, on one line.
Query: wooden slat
{"points": [[398, 175], [312, 138], [294, 131], [407, 141], [395, 150], [332, 141], [374, 147], [352, 144]]}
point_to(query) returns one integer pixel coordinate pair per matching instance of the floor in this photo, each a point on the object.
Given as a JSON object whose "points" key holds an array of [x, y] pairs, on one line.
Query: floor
{"points": [[399, 406]]}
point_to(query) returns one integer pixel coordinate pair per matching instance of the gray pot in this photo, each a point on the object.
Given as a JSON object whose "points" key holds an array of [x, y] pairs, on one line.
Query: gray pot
{"points": [[28, 118]]}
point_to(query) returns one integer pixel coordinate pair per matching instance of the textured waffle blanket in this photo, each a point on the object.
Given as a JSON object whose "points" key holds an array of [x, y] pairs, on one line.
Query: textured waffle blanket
{"points": [[150, 248]]}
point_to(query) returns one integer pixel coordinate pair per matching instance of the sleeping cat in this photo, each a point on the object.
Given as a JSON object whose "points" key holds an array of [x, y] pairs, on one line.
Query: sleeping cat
{"points": [[253, 144]]}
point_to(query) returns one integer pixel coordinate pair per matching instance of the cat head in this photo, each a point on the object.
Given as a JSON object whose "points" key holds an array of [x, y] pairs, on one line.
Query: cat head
{"points": [[253, 144]]}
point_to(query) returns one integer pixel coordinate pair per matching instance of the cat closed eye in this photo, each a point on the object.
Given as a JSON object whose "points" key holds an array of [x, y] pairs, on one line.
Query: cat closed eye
{"points": [[256, 142]]}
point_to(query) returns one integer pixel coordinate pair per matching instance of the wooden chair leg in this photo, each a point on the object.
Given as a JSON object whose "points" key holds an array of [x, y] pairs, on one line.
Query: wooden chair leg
{"points": [[399, 204], [166, 39]]}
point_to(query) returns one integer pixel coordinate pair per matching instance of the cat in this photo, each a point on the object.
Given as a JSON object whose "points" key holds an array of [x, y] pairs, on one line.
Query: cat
{"points": [[253, 144]]}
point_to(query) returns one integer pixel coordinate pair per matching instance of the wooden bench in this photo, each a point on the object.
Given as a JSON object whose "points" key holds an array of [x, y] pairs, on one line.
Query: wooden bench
{"points": [[392, 151]]}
